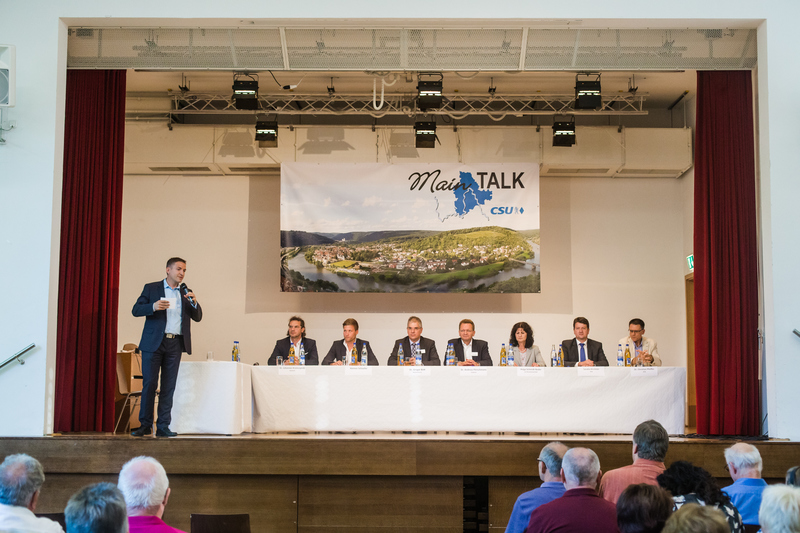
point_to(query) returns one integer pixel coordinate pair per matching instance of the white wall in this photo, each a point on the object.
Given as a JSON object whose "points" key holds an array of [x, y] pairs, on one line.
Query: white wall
{"points": [[30, 165]]}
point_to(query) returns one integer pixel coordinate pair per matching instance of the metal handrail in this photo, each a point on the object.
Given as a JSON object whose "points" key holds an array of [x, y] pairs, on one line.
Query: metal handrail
{"points": [[18, 355]]}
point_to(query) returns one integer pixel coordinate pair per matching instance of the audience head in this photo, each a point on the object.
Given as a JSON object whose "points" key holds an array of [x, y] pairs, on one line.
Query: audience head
{"points": [[650, 441], [144, 484], [527, 329], [683, 478], [792, 477], [643, 508], [780, 509], [21, 477], [580, 468], [550, 461], [743, 461], [98, 508], [694, 518]]}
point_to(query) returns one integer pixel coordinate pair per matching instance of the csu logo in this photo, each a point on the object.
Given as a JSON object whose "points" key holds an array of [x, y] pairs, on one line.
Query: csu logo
{"points": [[506, 210]]}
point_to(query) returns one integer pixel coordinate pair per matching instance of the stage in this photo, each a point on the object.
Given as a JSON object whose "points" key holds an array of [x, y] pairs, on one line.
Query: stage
{"points": [[349, 482]]}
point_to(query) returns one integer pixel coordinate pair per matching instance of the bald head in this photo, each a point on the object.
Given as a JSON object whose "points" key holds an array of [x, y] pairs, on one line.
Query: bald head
{"points": [[143, 482], [581, 468], [744, 461]]}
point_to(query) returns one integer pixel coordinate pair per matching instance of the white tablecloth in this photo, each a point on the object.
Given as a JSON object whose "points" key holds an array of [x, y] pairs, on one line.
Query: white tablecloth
{"points": [[494, 399], [213, 397]]}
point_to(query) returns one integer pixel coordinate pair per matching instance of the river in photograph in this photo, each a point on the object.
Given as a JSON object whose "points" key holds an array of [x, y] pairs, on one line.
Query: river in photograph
{"points": [[299, 264]]}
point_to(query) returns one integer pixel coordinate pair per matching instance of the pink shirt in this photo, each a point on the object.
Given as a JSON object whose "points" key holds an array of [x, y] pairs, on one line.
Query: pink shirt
{"points": [[641, 471], [149, 524]]}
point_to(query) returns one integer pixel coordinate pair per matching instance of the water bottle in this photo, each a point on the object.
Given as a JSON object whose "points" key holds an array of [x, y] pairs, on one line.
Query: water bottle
{"points": [[510, 356], [553, 356], [400, 356], [302, 354], [448, 357], [503, 358], [620, 356], [627, 355], [235, 351], [364, 361], [418, 362]]}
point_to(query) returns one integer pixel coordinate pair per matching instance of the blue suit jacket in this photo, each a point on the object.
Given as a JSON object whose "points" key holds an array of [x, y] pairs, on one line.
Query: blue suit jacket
{"points": [[156, 321]]}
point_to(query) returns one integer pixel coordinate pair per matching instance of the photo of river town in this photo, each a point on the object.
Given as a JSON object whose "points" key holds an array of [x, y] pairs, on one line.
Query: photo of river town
{"points": [[482, 259]]}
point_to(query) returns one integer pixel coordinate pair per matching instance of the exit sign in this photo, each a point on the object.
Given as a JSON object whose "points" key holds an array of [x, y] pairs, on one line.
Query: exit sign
{"points": [[690, 261]]}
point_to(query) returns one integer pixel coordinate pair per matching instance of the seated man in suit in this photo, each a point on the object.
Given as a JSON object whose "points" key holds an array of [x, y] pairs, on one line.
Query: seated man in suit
{"points": [[644, 351], [469, 351], [414, 343], [583, 351], [296, 336], [340, 351]]}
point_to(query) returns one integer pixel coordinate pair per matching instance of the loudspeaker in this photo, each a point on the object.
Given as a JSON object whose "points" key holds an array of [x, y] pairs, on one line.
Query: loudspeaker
{"points": [[7, 75]]}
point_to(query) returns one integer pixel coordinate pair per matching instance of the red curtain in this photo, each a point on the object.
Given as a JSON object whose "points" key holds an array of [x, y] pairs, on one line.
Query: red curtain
{"points": [[91, 217], [725, 251]]}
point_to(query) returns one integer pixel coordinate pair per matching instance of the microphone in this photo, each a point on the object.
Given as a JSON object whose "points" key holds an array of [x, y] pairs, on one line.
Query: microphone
{"points": [[185, 290]]}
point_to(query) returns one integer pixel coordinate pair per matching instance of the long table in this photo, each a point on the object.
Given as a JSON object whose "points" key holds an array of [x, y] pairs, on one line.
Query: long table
{"points": [[491, 399], [213, 397]]}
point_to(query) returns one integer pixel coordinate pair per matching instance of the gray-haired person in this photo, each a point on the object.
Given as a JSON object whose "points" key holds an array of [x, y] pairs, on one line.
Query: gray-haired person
{"points": [[145, 486], [552, 487], [744, 465], [650, 444], [98, 508], [21, 479]]}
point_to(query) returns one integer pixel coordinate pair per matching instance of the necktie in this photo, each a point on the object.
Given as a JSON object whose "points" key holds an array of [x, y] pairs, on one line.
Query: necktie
{"points": [[583, 353], [414, 350]]}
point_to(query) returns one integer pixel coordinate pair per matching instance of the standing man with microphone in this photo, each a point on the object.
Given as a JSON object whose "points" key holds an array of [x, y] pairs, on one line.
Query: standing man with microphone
{"points": [[169, 307]]}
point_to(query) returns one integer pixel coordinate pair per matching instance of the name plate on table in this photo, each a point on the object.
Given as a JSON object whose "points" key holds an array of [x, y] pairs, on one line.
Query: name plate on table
{"points": [[357, 371], [292, 371], [591, 372], [644, 371], [416, 371], [530, 372], [473, 371]]}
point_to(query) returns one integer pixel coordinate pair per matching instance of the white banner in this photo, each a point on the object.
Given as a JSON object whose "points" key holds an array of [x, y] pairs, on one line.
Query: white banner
{"points": [[410, 228]]}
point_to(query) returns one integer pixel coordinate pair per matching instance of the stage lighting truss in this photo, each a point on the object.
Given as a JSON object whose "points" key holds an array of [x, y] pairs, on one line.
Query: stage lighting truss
{"points": [[455, 106]]}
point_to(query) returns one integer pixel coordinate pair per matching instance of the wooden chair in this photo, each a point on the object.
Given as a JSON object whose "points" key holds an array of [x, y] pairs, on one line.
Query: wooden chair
{"points": [[124, 387], [55, 517], [216, 523]]}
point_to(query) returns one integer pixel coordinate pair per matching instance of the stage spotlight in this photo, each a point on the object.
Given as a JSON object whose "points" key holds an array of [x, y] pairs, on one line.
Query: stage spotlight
{"points": [[245, 91], [267, 133], [430, 92], [425, 134], [563, 133], [587, 93]]}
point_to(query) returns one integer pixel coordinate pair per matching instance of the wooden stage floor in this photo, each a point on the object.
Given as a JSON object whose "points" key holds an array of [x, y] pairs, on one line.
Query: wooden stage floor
{"points": [[389, 482]]}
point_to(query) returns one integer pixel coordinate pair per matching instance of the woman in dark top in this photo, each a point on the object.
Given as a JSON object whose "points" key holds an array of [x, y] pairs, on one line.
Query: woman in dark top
{"points": [[691, 484]]}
